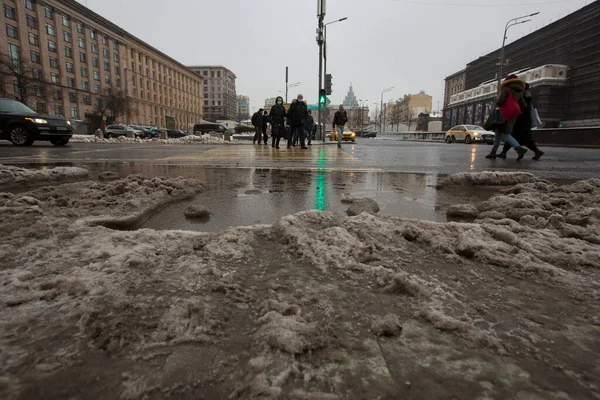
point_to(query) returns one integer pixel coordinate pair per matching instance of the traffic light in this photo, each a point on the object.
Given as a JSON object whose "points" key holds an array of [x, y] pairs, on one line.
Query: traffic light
{"points": [[328, 84], [322, 96]]}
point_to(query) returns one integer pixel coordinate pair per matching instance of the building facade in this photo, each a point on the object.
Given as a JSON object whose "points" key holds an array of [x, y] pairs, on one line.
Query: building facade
{"points": [[455, 83], [220, 98], [566, 90], [350, 100], [82, 56], [243, 104]]}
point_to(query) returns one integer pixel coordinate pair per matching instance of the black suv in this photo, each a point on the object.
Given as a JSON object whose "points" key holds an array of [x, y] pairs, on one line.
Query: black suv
{"points": [[22, 126]]}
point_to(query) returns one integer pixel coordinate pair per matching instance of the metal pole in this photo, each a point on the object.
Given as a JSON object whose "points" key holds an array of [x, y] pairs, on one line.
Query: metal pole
{"points": [[286, 85], [321, 16], [381, 118], [325, 50], [502, 57]]}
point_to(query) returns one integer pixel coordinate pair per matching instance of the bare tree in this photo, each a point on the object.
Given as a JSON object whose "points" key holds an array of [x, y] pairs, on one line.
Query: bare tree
{"points": [[114, 104], [20, 81], [409, 117], [396, 115]]}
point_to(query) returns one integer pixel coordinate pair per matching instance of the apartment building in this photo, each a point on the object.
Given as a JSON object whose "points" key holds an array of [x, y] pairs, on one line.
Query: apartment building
{"points": [[243, 104], [82, 55], [220, 99]]}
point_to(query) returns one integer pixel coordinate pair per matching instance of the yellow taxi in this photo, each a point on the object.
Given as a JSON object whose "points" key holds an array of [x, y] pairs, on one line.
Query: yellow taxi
{"points": [[348, 135]]}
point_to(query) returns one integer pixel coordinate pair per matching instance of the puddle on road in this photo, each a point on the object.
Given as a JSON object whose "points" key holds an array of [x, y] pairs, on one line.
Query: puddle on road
{"points": [[242, 197]]}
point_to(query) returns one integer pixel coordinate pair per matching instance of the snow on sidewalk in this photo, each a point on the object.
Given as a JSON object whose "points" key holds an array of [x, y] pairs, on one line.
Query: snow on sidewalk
{"points": [[317, 306], [190, 139]]}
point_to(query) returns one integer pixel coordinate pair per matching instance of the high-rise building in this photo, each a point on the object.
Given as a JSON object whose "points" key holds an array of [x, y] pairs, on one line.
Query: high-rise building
{"points": [[350, 101], [82, 56], [243, 103], [220, 99]]}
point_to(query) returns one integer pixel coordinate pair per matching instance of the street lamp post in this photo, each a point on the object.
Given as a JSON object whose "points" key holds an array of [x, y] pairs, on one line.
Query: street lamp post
{"points": [[325, 42], [382, 93], [512, 22]]}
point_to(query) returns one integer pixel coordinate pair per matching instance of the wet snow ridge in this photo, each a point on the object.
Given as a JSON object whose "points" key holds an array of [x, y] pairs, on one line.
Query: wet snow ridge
{"points": [[316, 306]]}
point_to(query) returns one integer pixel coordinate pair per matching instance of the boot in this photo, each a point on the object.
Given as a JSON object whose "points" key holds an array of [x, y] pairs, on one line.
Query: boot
{"points": [[521, 152], [502, 155], [538, 154], [491, 156]]}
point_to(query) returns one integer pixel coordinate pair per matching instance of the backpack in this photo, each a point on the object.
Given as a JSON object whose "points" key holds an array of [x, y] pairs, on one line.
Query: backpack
{"points": [[510, 109], [255, 119]]}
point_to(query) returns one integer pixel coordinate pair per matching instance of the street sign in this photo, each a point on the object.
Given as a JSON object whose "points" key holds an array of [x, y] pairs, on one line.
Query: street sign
{"points": [[104, 118], [327, 102]]}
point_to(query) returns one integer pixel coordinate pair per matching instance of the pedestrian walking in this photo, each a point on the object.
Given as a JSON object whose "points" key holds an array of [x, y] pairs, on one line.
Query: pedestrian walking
{"points": [[523, 126], [265, 127], [257, 121], [297, 116], [308, 126], [277, 116], [340, 119], [509, 99]]}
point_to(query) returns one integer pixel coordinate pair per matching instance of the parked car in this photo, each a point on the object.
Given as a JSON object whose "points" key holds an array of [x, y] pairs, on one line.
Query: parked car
{"points": [[114, 131], [204, 128], [348, 135], [369, 134], [23, 126], [469, 134], [147, 132], [177, 133]]}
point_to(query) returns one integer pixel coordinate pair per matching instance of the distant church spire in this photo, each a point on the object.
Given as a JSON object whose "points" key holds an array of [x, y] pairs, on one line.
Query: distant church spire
{"points": [[350, 100]]}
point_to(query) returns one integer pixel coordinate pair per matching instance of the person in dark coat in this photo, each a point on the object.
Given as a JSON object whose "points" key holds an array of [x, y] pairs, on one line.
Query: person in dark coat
{"points": [[297, 117], [308, 126], [514, 86], [277, 116], [340, 119], [266, 121], [257, 121], [522, 129]]}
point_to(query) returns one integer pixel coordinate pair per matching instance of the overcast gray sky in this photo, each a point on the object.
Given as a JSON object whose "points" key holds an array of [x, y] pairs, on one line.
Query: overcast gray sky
{"points": [[410, 44]]}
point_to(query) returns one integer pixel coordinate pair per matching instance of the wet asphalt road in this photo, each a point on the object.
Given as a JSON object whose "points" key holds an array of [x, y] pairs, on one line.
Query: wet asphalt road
{"points": [[365, 155]]}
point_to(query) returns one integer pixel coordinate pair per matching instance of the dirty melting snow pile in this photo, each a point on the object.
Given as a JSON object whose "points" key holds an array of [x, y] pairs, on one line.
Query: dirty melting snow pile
{"points": [[318, 306], [11, 176], [189, 139]]}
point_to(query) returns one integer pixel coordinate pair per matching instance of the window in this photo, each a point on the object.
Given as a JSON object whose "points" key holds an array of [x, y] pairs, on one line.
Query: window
{"points": [[131, 50], [54, 78], [94, 48], [97, 89], [58, 110], [9, 12], [81, 42], [65, 21], [82, 57], [32, 21], [118, 82], [36, 73], [50, 30], [57, 94], [92, 34], [68, 52], [70, 68], [105, 53], [79, 27], [117, 70], [107, 79], [48, 12], [12, 31], [67, 36], [34, 39], [96, 75], [85, 85], [148, 85], [95, 61], [74, 113], [116, 57], [84, 72], [52, 46], [29, 4], [35, 57], [53, 62], [71, 82], [41, 108], [106, 66], [105, 39], [72, 97], [86, 100]]}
